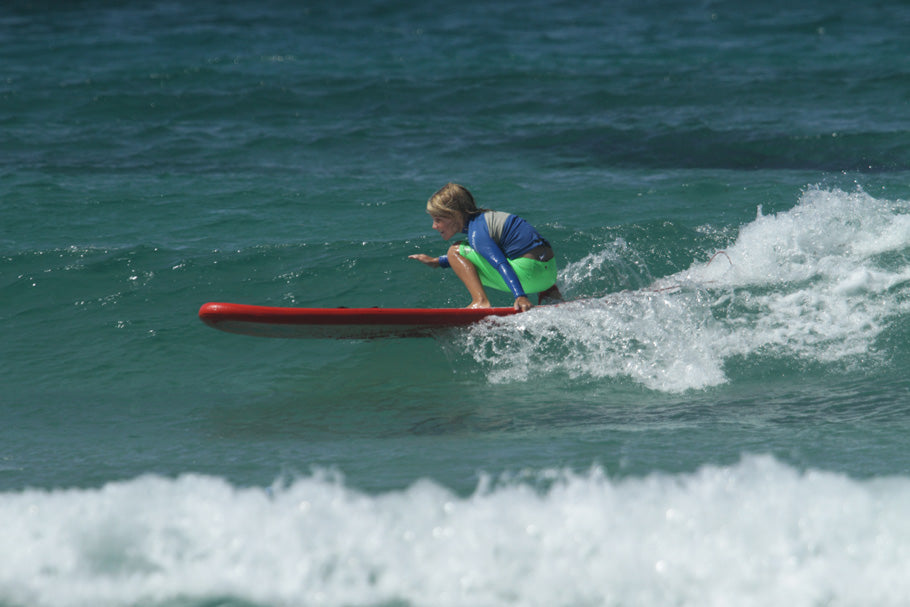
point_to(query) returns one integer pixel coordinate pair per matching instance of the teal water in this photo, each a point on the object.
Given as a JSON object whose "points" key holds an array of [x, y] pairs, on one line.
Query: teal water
{"points": [[720, 416]]}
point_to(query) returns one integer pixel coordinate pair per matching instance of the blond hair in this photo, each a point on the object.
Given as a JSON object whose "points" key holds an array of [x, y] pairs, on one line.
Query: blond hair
{"points": [[451, 200]]}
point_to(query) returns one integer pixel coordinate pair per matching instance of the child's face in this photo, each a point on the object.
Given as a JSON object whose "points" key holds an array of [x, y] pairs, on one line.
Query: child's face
{"points": [[447, 226]]}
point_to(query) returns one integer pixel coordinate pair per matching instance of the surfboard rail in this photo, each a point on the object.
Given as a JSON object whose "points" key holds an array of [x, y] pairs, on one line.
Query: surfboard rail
{"points": [[340, 323]]}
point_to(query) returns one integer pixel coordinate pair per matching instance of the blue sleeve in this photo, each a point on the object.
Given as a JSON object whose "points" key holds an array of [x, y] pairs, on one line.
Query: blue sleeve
{"points": [[480, 240]]}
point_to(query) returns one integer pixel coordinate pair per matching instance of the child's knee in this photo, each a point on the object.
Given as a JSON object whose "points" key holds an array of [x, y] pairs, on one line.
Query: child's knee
{"points": [[455, 249]]}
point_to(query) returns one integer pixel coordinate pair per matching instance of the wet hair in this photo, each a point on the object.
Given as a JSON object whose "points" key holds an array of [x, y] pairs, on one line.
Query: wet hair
{"points": [[451, 200]]}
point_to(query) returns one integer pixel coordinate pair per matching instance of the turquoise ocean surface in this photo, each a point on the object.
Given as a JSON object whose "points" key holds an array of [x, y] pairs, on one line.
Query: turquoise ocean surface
{"points": [[721, 416]]}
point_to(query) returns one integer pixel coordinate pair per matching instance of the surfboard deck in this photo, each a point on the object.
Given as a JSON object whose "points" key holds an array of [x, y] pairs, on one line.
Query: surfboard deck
{"points": [[339, 323]]}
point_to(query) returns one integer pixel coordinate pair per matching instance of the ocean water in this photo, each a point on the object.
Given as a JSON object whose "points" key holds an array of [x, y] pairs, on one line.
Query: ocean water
{"points": [[719, 416]]}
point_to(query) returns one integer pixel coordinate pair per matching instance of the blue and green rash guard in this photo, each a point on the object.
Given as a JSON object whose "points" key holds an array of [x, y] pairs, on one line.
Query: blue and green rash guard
{"points": [[499, 237]]}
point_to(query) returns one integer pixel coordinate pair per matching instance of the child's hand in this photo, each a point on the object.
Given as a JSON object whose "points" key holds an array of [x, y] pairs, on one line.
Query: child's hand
{"points": [[433, 262], [522, 304]]}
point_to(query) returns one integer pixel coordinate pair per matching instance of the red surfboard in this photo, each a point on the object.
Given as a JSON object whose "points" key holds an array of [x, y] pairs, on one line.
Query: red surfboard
{"points": [[340, 323]]}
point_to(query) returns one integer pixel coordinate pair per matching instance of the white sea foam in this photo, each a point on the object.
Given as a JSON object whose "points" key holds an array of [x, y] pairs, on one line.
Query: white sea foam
{"points": [[663, 341], [757, 533], [817, 283]]}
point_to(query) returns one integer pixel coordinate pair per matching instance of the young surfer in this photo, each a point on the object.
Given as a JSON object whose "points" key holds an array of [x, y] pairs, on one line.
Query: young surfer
{"points": [[503, 251]]}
